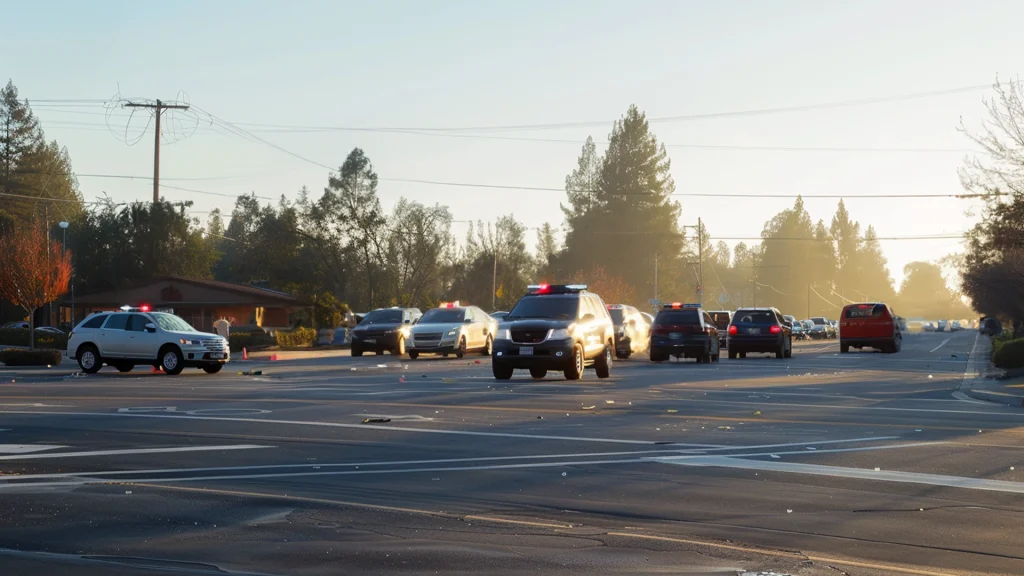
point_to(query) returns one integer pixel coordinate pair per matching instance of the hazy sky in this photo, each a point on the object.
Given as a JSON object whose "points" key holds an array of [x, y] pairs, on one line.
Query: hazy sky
{"points": [[451, 64]]}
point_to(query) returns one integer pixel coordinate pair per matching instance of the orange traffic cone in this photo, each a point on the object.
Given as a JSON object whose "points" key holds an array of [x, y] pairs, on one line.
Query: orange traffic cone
{"points": [[156, 369], [273, 358], [245, 354]]}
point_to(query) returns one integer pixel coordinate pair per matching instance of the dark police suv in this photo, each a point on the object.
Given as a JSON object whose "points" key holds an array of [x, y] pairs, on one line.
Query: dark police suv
{"points": [[684, 331], [556, 327]]}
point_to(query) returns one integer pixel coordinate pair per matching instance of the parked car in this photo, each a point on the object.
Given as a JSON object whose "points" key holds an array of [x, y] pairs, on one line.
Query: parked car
{"points": [[870, 325], [384, 329], [942, 326], [452, 329], [798, 328], [632, 332]]}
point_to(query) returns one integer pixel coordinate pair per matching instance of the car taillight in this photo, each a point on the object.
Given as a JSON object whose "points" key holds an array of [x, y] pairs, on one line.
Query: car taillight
{"points": [[733, 330], [775, 329]]}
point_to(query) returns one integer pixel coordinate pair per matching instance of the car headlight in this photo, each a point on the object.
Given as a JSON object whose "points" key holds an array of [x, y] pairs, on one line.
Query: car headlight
{"points": [[453, 331], [559, 334], [502, 334], [187, 342]]}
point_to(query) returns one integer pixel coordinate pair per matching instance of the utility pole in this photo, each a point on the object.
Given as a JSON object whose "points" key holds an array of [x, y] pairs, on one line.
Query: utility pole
{"points": [[655, 279], [700, 262], [158, 109], [494, 280], [808, 300]]}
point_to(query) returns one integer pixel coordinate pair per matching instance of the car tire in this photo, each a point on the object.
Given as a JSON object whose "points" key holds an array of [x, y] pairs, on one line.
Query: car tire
{"points": [[742, 354], [414, 355], [212, 368], [400, 347], [89, 359], [538, 373], [489, 346], [657, 356], [789, 348], [460, 351], [780, 353], [896, 346], [732, 354], [716, 356], [357, 351], [575, 370], [603, 363], [844, 348], [501, 372], [171, 360], [124, 366]]}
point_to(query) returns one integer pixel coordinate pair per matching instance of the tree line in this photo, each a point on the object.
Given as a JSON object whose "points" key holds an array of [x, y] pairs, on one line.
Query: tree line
{"points": [[623, 235]]}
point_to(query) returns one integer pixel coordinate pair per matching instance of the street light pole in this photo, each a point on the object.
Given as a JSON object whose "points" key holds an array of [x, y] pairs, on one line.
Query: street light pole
{"points": [[64, 244]]}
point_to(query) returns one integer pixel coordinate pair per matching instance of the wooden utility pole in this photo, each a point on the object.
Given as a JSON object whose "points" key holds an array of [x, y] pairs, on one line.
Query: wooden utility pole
{"points": [[158, 109], [700, 263]]}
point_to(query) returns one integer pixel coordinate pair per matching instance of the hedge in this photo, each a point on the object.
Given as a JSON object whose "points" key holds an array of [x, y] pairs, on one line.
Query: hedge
{"points": [[1008, 354], [21, 357], [299, 337], [250, 340], [19, 337]]}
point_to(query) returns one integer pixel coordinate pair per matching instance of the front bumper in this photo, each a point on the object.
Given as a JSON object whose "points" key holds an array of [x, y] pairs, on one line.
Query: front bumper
{"points": [[200, 355], [550, 354], [375, 342]]}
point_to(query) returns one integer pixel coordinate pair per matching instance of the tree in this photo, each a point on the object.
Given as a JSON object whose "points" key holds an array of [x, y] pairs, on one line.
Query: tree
{"points": [[418, 244], [495, 266], [924, 293], [845, 233], [611, 289], [622, 217], [874, 282], [784, 276], [547, 249], [36, 270]]}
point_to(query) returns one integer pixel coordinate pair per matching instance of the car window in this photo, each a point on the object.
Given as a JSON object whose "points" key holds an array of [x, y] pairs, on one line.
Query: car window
{"points": [[383, 317], [618, 316], [137, 323], [172, 323], [557, 307], [865, 311], [677, 317], [755, 317], [443, 316], [95, 321], [116, 322], [708, 320]]}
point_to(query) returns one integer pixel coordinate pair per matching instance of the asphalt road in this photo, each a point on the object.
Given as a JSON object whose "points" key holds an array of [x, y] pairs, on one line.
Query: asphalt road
{"points": [[861, 463]]}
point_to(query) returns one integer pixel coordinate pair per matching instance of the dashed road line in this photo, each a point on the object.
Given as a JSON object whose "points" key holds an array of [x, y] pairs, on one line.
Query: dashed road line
{"points": [[132, 451]]}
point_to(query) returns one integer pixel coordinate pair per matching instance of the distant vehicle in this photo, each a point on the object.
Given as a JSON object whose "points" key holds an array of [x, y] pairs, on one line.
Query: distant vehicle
{"points": [[827, 326], [797, 326], [928, 327], [648, 318], [722, 318], [684, 331], [870, 325], [759, 330], [990, 326], [942, 326], [499, 315], [22, 325], [631, 330], [452, 329], [902, 323], [384, 329], [555, 327], [954, 326], [136, 336]]}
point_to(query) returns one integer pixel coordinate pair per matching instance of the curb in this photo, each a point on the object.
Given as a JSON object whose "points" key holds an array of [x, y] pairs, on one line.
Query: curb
{"points": [[976, 386]]}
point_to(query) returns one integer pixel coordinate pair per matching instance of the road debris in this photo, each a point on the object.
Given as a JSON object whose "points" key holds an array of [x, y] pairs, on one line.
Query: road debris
{"points": [[589, 407], [376, 420]]}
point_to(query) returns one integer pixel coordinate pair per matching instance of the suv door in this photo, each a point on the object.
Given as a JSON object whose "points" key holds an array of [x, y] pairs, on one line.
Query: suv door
{"points": [[139, 343], [112, 339], [471, 329]]}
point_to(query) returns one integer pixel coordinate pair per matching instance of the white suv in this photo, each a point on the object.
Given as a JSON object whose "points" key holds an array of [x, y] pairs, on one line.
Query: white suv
{"points": [[137, 336]]}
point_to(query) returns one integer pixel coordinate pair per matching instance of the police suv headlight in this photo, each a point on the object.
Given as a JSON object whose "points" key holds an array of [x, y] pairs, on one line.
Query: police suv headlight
{"points": [[559, 334], [453, 331], [502, 334]]}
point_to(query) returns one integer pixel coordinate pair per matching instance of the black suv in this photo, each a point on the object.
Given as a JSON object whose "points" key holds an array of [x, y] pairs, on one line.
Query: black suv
{"points": [[760, 330], [556, 327], [684, 331], [384, 329]]}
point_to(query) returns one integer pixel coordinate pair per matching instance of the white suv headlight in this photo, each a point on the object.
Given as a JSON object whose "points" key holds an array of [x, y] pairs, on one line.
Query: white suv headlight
{"points": [[559, 334], [189, 342], [502, 334]]}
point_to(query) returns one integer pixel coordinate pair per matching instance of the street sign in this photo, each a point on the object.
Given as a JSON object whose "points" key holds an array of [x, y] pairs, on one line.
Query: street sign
{"points": [[723, 298], [654, 301]]}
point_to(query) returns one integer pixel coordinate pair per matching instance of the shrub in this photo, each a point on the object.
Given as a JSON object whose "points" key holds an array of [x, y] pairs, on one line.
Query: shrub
{"points": [[250, 340], [1009, 353], [19, 337], [299, 337], [20, 357]]}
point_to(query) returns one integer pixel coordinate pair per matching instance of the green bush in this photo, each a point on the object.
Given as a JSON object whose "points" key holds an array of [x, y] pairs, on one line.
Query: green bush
{"points": [[19, 337], [20, 357], [299, 337], [1008, 353], [249, 340]]}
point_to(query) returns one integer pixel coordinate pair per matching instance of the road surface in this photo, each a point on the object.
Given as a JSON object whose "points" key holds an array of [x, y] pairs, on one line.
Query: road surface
{"points": [[825, 463]]}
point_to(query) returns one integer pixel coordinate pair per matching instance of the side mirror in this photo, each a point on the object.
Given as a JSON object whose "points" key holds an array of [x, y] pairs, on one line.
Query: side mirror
{"points": [[467, 321], [150, 327], [406, 321], [588, 317]]}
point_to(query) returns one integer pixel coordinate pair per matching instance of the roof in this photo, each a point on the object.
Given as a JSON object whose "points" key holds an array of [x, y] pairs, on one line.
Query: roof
{"points": [[253, 293]]}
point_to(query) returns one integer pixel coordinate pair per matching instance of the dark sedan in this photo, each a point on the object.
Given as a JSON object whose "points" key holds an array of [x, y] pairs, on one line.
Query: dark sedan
{"points": [[759, 330]]}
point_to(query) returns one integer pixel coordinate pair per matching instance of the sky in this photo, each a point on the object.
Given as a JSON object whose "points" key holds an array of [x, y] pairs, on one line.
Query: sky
{"points": [[446, 64]]}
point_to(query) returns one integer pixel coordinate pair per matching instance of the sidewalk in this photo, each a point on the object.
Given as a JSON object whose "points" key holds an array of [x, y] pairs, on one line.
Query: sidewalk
{"points": [[985, 382]]}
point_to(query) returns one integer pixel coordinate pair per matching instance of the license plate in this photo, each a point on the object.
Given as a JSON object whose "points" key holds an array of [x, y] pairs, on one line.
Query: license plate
{"points": [[676, 336], [526, 350], [370, 341], [217, 355], [753, 330]]}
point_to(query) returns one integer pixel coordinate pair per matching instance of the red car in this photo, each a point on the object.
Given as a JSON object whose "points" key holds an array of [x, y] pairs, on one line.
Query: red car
{"points": [[869, 325]]}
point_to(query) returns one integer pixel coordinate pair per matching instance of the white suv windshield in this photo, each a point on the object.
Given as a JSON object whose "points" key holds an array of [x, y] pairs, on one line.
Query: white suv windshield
{"points": [[172, 323]]}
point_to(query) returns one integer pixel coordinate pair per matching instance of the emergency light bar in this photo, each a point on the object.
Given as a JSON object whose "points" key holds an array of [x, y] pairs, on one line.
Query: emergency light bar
{"points": [[449, 304], [143, 308], [555, 288], [677, 306]]}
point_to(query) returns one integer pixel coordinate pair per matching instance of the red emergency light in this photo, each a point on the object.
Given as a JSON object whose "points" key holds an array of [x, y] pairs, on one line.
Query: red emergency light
{"points": [[144, 308]]}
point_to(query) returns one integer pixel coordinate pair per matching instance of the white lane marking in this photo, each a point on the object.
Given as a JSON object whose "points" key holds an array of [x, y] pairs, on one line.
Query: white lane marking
{"points": [[943, 343], [881, 408], [961, 397], [528, 465], [135, 451], [27, 448], [858, 473], [463, 460], [366, 427]]}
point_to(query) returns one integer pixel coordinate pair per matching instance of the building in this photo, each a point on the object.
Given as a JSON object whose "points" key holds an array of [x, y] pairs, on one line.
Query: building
{"points": [[199, 302]]}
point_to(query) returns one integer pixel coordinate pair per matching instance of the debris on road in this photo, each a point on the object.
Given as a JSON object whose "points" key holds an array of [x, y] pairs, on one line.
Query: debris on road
{"points": [[589, 407], [672, 410], [757, 413], [726, 428], [609, 401], [376, 420], [776, 456], [251, 373]]}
